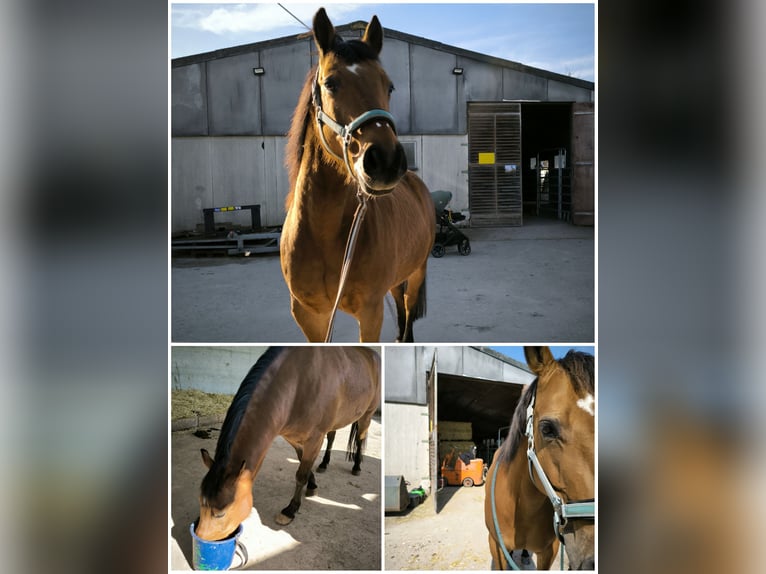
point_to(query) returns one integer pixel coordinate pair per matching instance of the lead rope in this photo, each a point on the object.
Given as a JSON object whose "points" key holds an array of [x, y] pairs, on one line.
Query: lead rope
{"points": [[498, 534], [361, 209]]}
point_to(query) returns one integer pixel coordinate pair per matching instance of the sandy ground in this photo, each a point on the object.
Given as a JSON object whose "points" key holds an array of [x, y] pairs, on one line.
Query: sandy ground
{"points": [[339, 529], [530, 283], [455, 538]]}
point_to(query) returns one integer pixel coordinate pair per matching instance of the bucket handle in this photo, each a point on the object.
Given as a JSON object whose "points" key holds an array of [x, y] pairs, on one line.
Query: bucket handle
{"points": [[241, 552]]}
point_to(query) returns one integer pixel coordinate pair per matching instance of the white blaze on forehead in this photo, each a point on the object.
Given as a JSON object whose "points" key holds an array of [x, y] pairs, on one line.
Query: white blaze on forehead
{"points": [[353, 68], [588, 404]]}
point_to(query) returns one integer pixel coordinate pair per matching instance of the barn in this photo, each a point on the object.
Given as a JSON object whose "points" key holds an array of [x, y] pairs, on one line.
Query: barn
{"points": [[505, 139], [431, 389]]}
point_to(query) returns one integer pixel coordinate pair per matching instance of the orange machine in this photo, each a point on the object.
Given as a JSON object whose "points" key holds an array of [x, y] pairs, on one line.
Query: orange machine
{"points": [[456, 471]]}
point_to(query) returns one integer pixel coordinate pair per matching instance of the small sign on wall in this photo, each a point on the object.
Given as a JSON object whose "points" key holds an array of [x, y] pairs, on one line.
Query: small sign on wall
{"points": [[486, 158]]}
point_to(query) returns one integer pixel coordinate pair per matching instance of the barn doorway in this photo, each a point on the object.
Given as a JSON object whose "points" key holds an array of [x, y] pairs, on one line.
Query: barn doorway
{"points": [[544, 170], [472, 421]]}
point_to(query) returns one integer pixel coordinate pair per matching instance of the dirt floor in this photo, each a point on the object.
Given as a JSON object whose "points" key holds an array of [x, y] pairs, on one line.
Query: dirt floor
{"points": [[339, 529], [455, 538]]}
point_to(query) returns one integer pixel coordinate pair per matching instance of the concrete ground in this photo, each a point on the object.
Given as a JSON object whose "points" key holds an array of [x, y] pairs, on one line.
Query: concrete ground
{"points": [[338, 529], [519, 284], [455, 538]]}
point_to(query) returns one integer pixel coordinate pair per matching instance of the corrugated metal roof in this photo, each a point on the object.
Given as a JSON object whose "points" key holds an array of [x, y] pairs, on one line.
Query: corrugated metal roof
{"points": [[359, 26]]}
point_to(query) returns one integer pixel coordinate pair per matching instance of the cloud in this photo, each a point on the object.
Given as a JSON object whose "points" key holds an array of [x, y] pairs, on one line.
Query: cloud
{"points": [[253, 18]]}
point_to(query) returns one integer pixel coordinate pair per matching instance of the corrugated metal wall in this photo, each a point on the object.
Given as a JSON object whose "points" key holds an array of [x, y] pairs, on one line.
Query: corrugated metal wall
{"points": [[228, 125]]}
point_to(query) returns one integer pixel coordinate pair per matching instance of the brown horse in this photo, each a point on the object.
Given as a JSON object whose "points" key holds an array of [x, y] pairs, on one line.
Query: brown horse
{"points": [[302, 394], [342, 149], [538, 497]]}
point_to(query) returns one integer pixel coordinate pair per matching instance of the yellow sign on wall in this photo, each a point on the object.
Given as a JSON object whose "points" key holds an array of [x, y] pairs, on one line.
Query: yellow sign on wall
{"points": [[486, 158]]}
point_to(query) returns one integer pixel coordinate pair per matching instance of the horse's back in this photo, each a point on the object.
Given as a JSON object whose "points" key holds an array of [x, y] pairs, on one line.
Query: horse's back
{"points": [[333, 385]]}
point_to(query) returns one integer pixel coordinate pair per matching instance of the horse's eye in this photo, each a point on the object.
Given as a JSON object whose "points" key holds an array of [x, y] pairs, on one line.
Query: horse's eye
{"points": [[219, 515], [391, 89], [331, 85], [549, 429]]}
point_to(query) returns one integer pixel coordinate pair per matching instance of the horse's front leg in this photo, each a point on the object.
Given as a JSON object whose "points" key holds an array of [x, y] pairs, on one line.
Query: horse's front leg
{"points": [[546, 558], [370, 318], [312, 323], [304, 475]]}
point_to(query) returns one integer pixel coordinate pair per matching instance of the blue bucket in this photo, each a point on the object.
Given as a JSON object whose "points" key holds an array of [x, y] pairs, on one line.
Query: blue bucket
{"points": [[217, 555]]}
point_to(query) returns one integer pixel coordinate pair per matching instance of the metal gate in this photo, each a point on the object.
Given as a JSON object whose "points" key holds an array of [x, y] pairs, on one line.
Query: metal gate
{"points": [[494, 163], [554, 184]]}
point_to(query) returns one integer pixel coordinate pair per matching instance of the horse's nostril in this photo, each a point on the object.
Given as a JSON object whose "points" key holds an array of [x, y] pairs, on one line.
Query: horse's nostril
{"points": [[372, 160]]}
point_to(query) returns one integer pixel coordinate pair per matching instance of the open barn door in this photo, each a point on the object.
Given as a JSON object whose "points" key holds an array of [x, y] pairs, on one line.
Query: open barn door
{"points": [[583, 201], [433, 437], [494, 163]]}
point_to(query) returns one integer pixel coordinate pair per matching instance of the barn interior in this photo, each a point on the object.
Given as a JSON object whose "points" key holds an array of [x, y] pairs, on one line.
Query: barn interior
{"points": [[487, 405], [546, 137]]}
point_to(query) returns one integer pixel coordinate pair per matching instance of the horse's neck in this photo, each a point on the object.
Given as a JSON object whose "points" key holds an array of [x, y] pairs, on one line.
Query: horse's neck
{"points": [[322, 197], [262, 423], [530, 496]]}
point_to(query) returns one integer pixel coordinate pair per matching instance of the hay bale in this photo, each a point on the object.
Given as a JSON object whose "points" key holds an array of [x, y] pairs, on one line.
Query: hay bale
{"points": [[190, 403], [454, 430]]}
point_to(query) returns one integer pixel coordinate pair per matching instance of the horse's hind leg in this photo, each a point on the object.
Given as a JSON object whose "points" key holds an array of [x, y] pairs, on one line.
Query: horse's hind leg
{"points": [[308, 454], [414, 302], [401, 313], [359, 435], [326, 460]]}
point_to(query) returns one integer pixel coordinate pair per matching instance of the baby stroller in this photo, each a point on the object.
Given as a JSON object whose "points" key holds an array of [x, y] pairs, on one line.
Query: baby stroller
{"points": [[448, 234]]}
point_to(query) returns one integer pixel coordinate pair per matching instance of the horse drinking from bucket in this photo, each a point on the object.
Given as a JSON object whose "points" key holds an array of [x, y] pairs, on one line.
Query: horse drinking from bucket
{"points": [[536, 498], [302, 394], [343, 153]]}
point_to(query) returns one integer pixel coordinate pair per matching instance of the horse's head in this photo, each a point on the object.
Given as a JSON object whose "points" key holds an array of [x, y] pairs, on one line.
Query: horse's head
{"points": [[226, 499], [351, 97], [563, 424]]}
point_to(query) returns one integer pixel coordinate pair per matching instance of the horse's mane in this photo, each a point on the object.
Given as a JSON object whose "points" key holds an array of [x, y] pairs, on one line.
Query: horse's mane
{"points": [[215, 478], [351, 51], [580, 368]]}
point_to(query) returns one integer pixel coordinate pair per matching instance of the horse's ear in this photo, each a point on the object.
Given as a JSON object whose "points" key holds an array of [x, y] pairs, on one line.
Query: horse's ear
{"points": [[373, 35], [206, 458], [324, 33], [538, 358]]}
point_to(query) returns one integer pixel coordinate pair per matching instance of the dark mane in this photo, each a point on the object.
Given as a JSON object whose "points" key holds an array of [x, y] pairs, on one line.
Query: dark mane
{"points": [[352, 52], [580, 368], [216, 476]]}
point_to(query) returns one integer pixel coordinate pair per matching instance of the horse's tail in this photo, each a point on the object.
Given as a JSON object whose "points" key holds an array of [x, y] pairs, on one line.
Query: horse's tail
{"points": [[420, 306], [355, 446]]}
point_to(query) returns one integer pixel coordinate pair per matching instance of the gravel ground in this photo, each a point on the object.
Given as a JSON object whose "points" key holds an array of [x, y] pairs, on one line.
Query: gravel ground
{"points": [[455, 538]]}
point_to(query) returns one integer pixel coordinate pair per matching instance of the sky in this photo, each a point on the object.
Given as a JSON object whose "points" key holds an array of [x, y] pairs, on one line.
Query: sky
{"points": [[555, 37], [558, 351]]}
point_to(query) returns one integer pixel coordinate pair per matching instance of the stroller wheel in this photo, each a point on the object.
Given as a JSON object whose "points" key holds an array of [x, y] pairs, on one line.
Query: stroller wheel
{"points": [[464, 247], [438, 250]]}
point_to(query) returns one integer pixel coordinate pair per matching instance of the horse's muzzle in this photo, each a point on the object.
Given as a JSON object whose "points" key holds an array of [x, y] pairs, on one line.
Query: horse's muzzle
{"points": [[383, 167]]}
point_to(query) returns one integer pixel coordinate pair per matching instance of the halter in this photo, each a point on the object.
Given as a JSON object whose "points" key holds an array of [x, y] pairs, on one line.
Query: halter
{"points": [[345, 132], [585, 509], [562, 513]]}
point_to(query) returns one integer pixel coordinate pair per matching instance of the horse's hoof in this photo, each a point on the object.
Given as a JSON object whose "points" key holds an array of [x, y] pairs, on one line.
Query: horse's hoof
{"points": [[321, 468], [356, 471], [282, 519], [311, 492]]}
